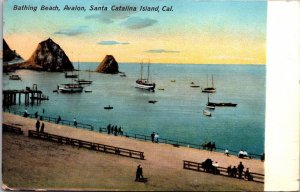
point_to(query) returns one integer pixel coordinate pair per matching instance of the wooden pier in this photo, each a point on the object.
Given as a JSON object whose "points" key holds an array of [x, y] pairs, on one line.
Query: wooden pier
{"points": [[30, 96]]}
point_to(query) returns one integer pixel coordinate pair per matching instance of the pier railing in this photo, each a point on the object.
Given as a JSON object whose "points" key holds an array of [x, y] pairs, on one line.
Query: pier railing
{"points": [[86, 144], [257, 177], [10, 128], [175, 143]]}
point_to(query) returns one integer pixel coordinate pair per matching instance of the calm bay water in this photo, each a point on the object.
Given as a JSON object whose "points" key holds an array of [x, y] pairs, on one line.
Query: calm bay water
{"points": [[177, 114]]}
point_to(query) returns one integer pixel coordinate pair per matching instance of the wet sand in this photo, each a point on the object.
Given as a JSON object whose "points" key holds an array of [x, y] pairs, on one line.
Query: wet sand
{"points": [[30, 163]]}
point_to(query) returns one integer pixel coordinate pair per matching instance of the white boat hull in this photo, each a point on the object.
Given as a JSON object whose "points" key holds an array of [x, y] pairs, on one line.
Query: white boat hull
{"points": [[146, 87]]}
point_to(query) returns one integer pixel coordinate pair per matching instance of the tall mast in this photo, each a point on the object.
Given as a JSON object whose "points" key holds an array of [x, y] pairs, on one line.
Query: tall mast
{"points": [[148, 72], [212, 80], [206, 80], [141, 70]]}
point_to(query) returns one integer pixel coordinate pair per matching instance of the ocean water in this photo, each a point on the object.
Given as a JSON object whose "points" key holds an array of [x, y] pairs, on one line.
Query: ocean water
{"points": [[177, 115]]}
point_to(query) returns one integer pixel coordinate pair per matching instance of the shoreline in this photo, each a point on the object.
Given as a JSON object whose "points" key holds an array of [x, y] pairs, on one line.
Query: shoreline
{"points": [[158, 157]]}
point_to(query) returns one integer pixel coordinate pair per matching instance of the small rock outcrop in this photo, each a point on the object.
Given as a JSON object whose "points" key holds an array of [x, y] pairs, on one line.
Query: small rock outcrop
{"points": [[48, 56], [108, 65], [8, 54]]}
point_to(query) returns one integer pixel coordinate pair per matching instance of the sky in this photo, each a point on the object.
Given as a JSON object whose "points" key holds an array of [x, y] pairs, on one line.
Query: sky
{"points": [[195, 32]]}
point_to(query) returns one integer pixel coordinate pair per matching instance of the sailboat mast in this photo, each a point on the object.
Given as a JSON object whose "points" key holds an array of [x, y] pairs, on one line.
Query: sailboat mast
{"points": [[141, 70], [212, 81], [148, 73], [206, 80]]}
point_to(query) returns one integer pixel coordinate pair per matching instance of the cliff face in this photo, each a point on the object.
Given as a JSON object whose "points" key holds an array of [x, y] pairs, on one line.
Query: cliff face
{"points": [[48, 56], [8, 54], [108, 65]]}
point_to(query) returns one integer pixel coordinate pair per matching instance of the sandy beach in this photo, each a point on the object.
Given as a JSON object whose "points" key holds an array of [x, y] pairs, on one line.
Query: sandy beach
{"points": [[36, 164]]}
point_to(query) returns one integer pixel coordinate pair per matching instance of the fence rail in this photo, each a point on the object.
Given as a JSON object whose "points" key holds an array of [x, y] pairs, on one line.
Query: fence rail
{"points": [[88, 145], [257, 177], [127, 134], [10, 128]]}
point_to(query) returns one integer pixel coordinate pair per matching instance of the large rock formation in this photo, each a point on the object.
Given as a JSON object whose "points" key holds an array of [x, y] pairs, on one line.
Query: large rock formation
{"points": [[48, 56], [8, 54], [108, 65]]}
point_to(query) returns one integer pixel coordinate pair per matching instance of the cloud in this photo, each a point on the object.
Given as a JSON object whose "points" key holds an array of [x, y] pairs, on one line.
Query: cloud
{"points": [[77, 30], [138, 23], [110, 16], [161, 51], [111, 42]]}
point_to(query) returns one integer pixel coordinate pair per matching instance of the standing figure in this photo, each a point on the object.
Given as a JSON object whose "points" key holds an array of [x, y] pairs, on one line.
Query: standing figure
{"points": [[152, 137], [240, 169], [233, 171], [139, 173], [116, 131], [75, 122], [121, 132], [36, 115], [226, 152], [156, 136], [42, 127], [229, 170], [37, 125], [58, 119]]}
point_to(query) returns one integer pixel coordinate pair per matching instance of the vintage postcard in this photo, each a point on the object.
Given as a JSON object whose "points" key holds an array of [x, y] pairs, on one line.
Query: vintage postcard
{"points": [[146, 95]]}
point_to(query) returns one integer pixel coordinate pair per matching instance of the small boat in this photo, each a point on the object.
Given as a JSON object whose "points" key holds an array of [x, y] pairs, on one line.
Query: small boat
{"points": [[67, 75], [71, 88], [152, 101], [206, 113], [108, 107], [14, 77], [208, 89], [212, 104], [194, 86], [88, 91], [173, 81], [123, 74], [210, 107], [162, 89], [83, 81], [145, 84]]}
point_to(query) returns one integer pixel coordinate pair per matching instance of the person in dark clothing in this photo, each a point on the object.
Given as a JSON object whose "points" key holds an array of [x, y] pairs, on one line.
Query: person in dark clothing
{"points": [[233, 171], [262, 157], [209, 146], [229, 170], [116, 131], [108, 129], [42, 127], [240, 169], [248, 175], [152, 137], [213, 146], [75, 122], [139, 173], [37, 125], [207, 165], [58, 119], [36, 115]]}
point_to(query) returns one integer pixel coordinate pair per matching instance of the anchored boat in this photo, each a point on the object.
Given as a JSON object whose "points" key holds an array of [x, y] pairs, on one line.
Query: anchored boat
{"points": [[208, 89], [146, 84]]}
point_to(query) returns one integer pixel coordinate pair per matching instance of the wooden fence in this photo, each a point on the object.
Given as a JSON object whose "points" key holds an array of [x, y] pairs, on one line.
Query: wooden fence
{"points": [[257, 177], [10, 128], [88, 145]]}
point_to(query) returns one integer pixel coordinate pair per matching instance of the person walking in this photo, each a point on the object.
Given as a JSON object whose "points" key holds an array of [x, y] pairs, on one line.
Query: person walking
{"points": [[37, 125], [240, 169], [42, 127], [138, 173]]}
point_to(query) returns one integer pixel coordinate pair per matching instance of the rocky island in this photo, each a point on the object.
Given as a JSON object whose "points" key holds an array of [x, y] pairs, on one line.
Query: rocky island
{"points": [[8, 54], [108, 65], [48, 56]]}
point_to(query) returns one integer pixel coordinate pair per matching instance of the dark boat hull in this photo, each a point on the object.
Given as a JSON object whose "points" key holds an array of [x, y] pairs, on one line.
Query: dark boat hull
{"points": [[221, 104]]}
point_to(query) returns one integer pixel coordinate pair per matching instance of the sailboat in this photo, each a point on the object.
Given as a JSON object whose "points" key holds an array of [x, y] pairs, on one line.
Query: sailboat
{"points": [[70, 87], [207, 113], [209, 89], [212, 105], [146, 84], [83, 81]]}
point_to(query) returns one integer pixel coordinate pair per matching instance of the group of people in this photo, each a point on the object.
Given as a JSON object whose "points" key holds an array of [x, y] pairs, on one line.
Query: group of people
{"points": [[210, 166], [39, 127], [113, 129], [209, 146], [233, 172], [243, 154], [154, 137]]}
